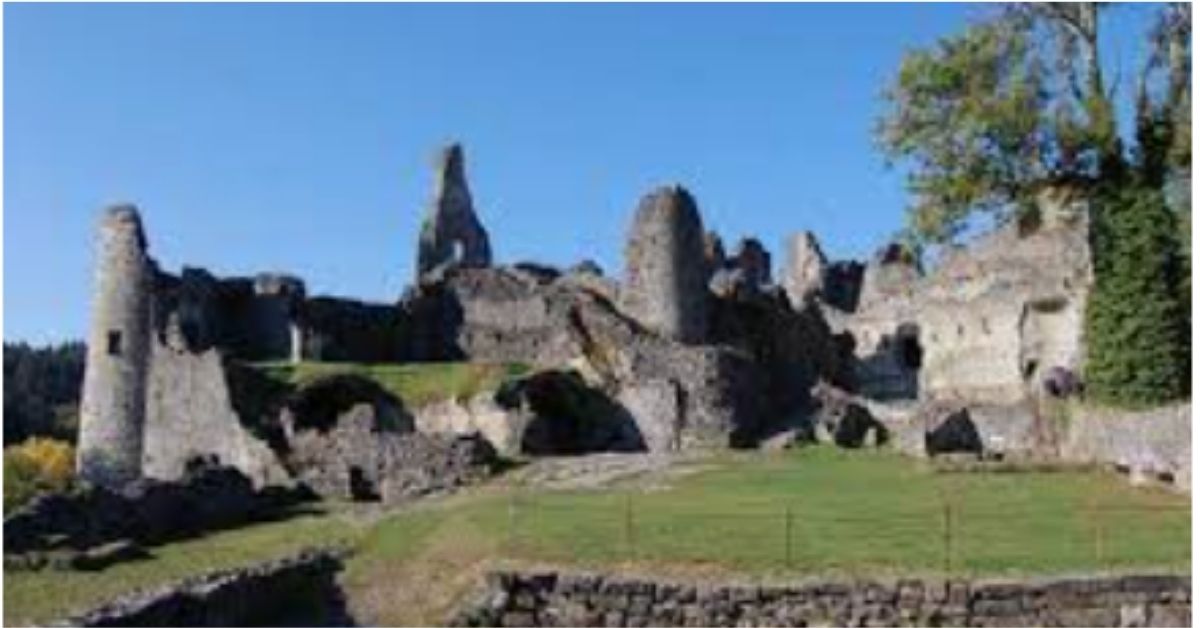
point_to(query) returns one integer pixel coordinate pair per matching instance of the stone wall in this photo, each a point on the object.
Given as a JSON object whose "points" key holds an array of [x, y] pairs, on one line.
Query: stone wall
{"points": [[998, 315], [666, 278], [553, 599], [190, 414], [973, 351], [451, 234], [503, 428], [112, 410], [143, 512], [299, 590], [1152, 445], [345, 330], [989, 321], [511, 315]]}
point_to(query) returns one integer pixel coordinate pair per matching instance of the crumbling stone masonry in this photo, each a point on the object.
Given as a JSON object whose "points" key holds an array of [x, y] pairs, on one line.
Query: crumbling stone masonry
{"points": [[296, 590], [113, 410], [665, 271], [805, 267], [451, 233], [583, 599]]}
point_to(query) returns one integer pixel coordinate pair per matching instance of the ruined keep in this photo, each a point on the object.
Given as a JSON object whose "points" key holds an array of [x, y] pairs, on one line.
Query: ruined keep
{"points": [[451, 233], [690, 349], [665, 284], [113, 411], [805, 268]]}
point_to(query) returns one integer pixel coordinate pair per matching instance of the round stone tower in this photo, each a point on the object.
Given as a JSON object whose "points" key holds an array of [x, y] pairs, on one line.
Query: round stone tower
{"points": [[113, 408], [666, 273]]}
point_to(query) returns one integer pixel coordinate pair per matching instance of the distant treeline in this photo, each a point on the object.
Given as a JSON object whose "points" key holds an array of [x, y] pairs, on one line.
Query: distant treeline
{"points": [[41, 390]]}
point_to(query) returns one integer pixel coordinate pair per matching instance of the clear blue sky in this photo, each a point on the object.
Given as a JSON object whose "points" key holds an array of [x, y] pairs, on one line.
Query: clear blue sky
{"points": [[298, 137]]}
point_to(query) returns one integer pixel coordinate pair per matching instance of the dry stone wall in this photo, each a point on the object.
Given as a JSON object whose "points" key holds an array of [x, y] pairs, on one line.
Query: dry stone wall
{"points": [[560, 599], [298, 590]]}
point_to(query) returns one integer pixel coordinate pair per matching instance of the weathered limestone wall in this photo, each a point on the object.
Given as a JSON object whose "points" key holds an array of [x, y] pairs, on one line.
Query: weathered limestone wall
{"points": [[190, 414], [113, 408], [559, 599], [972, 351], [804, 269], [1154, 445], [888, 354], [503, 428], [666, 281], [986, 325], [451, 234]]}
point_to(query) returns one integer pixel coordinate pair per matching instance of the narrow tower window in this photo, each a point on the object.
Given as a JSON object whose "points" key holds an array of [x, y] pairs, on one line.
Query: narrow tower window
{"points": [[114, 342]]}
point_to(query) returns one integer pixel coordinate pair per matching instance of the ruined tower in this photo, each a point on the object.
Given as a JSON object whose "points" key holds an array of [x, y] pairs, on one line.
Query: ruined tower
{"points": [[754, 260], [113, 410], [804, 268], [666, 274], [451, 233]]}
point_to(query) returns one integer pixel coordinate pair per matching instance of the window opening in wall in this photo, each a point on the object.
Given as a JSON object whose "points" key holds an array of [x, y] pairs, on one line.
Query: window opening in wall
{"points": [[907, 346], [910, 352], [361, 488], [1030, 368], [458, 252], [114, 342]]}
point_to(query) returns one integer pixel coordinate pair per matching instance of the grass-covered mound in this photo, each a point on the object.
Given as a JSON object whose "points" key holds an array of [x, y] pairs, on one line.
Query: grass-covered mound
{"points": [[864, 513], [416, 384]]}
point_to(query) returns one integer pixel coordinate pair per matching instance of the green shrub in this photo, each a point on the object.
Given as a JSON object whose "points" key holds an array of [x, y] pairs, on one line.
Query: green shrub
{"points": [[1137, 336]]}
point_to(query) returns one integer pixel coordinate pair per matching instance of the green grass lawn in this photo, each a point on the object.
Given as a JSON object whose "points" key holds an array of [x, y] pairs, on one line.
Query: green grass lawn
{"points": [[416, 384], [863, 513], [853, 513], [40, 596]]}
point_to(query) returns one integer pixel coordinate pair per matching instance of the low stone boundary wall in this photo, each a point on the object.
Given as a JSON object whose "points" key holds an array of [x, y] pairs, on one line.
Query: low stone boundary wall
{"points": [[1153, 445], [554, 599], [299, 590]]}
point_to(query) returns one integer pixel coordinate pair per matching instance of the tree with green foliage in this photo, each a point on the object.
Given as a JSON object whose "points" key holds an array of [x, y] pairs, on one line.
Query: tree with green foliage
{"points": [[1139, 347], [990, 118], [1019, 101], [41, 390]]}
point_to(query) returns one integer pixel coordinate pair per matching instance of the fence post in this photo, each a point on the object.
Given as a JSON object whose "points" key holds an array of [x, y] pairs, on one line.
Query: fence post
{"points": [[1097, 535], [509, 540], [947, 534], [787, 535], [629, 540]]}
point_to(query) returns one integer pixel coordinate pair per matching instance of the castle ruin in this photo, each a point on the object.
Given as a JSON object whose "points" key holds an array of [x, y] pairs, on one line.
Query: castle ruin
{"points": [[451, 233], [665, 288], [113, 411], [690, 349]]}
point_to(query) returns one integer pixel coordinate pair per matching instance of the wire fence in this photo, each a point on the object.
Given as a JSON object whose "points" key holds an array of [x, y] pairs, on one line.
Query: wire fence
{"points": [[944, 536]]}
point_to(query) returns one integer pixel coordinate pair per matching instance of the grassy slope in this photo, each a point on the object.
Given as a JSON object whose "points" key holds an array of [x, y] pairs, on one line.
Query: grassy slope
{"points": [[416, 384], [855, 513], [31, 597]]}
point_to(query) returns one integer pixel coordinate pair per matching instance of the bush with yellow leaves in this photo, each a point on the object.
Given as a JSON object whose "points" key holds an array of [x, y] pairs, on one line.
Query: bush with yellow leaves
{"points": [[36, 465]]}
